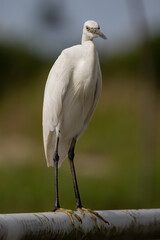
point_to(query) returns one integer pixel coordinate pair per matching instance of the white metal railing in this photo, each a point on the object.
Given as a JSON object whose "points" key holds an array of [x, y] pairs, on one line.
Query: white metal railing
{"points": [[123, 224]]}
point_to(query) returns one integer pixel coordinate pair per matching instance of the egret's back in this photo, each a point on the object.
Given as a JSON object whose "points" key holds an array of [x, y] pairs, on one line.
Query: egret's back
{"points": [[52, 106]]}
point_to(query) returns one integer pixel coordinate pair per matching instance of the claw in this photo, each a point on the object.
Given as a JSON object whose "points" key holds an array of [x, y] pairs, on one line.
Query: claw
{"points": [[74, 214], [99, 216], [70, 214], [91, 213], [80, 210]]}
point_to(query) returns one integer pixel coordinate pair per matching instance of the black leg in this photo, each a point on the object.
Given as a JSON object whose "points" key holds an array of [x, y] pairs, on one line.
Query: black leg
{"points": [[55, 159], [71, 160]]}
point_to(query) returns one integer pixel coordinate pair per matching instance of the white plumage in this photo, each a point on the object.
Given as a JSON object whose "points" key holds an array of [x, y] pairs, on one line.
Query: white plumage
{"points": [[71, 94]]}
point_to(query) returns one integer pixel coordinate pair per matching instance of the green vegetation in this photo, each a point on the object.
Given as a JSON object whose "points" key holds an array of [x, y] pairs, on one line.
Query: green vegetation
{"points": [[111, 173]]}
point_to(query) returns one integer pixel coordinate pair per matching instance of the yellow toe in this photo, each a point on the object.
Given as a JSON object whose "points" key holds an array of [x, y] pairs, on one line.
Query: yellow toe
{"points": [[92, 215], [70, 214]]}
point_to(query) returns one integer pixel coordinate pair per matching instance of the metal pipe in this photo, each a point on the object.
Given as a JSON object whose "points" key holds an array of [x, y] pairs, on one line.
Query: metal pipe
{"points": [[123, 224]]}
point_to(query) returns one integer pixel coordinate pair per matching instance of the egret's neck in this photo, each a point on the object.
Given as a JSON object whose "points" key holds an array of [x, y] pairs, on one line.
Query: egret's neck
{"points": [[85, 38], [89, 47], [89, 51]]}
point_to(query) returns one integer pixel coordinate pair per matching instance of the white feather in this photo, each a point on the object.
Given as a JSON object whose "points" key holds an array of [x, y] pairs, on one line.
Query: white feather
{"points": [[71, 94]]}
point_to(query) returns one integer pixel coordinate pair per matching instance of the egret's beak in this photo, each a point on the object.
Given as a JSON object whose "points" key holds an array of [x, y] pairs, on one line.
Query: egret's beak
{"points": [[98, 33]]}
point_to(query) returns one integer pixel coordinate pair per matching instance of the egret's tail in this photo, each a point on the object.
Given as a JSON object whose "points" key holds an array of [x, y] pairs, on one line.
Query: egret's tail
{"points": [[50, 149]]}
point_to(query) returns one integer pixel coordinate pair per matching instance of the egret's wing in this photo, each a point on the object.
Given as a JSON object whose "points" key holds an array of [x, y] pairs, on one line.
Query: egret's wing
{"points": [[55, 90]]}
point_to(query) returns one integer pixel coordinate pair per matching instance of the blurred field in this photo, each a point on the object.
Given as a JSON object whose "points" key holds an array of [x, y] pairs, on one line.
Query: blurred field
{"points": [[108, 155]]}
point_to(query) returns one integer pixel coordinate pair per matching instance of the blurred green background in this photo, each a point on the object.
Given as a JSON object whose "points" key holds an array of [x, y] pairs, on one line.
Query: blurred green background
{"points": [[118, 157]]}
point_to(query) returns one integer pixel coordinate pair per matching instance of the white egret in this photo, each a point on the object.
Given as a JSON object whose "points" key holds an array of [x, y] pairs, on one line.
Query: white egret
{"points": [[71, 94]]}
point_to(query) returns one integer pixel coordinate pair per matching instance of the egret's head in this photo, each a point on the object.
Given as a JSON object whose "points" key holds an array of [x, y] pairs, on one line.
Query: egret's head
{"points": [[91, 30]]}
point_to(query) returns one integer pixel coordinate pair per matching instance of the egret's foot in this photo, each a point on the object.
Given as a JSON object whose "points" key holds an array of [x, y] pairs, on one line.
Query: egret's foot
{"points": [[69, 213], [91, 213]]}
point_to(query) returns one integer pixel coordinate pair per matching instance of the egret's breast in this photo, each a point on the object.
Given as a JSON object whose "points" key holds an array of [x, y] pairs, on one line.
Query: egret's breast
{"points": [[80, 95]]}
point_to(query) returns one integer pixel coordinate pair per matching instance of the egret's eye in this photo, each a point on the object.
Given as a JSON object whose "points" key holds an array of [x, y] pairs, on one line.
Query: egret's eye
{"points": [[98, 27], [87, 28]]}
